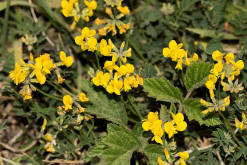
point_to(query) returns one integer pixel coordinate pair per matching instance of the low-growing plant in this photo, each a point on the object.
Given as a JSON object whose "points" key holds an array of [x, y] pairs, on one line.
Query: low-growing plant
{"points": [[123, 82]]}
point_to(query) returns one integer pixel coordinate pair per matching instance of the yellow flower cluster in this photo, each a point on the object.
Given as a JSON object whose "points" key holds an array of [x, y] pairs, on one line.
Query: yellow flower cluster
{"points": [[241, 125], [225, 67], [68, 101], [109, 24], [216, 105], [71, 8], [179, 55], [86, 40], [117, 78], [36, 71], [177, 124], [49, 146], [183, 156], [155, 125]]}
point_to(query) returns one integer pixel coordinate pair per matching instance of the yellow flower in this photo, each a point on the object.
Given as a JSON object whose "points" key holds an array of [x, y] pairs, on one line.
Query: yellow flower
{"points": [[101, 79], [42, 66], [210, 85], [170, 129], [48, 137], [26, 93], [213, 78], [239, 124], [82, 97], [49, 148], [104, 48], [217, 56], [152, 116], [124, 69], [127, 86], [67, 7], [160, 161], [157, 131], [102, 31], [239, 65], [109, 65], [205, 103], [123, 27], [173, 49], [229, 58], [40, 76], [181, 125], [92, 5], [115, 85], [227, 101], [92, 44], [154, 124], [70, 8], [87, 40], [179, 65], [124, 10], [112, 28], [67, 101], [67, 61], [139, 80], [60, 80], [108, 11], [217, 69], [19, 74], [44, 125], [167, 154], [99, 21], [194, 57], [183, 156]]}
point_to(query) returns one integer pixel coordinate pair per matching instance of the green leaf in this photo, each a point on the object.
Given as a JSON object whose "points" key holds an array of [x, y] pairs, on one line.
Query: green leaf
{"points": [[103, 105], [213, 45], [164, 113], [162, 89], [3, 5], [153, 151], [193, 111], [121, 145], [196, 75], [149, 71], [94, 151], [212, 34]]}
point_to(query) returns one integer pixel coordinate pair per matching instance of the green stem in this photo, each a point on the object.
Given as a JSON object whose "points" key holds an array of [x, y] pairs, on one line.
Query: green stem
{"points": [[79, 78], [5, 27], [46, 94], [70, 87], [55, 87], [132, 120], [138, 52], [226, 122], [97, 59], [61, 41], [134, 107], [90, 130]]}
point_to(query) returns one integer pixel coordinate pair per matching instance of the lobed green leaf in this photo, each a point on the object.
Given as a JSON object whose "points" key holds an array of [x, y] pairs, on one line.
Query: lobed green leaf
{"points": [[196, 75], [104, 106], [193, 111], [162, 89]]}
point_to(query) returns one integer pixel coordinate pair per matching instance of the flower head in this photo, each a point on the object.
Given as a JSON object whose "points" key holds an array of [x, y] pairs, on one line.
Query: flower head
{"points": [[67, 61], [67, 101]]}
